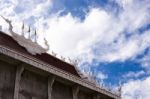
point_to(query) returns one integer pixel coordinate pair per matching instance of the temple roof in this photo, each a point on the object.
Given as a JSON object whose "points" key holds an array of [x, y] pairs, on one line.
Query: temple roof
{"points": [[9, 42]]}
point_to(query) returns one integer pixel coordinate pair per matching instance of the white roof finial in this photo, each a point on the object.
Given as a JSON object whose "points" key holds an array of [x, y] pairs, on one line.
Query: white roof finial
{"points": [[23, 29], [63, 58], [35, 36], [29, 30], [10, 25], [54, 54], [0, 28], [46, 43]]}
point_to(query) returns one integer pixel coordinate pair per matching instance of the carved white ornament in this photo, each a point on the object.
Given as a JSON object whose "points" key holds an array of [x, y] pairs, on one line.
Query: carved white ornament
{"points": [[32, 47]]}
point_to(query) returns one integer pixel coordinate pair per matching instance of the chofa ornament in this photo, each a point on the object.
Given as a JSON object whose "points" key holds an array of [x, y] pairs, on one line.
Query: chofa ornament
{"points": [[32, 47]]}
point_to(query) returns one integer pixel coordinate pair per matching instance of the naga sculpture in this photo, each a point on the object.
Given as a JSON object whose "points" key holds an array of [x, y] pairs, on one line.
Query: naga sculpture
{"points": [[32, 47]]}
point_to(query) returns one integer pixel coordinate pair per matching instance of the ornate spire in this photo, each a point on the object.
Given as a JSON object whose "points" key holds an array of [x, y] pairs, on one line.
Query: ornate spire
{"points": [[35, 36], [63, 58], [70, 61], [10, 25], [0, 28], [29, 30], [23, 29], [54, 54], [120, 90], [46, 43]]}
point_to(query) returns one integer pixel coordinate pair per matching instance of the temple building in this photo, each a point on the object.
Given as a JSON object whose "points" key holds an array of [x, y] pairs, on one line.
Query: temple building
{"points": [[28, 72]]}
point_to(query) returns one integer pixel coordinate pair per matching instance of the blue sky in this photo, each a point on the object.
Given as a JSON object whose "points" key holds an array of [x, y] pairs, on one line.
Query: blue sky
{"points": [[111, 38]]}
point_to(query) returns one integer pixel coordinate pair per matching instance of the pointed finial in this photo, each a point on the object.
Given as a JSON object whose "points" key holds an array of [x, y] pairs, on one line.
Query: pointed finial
{"points": [[35, 34], [62, 58], [54, 54], [120, 90], [8, 21], [29, 32], [0, 28], [10, 25], [69, 60], [23, 29], [46, 43], [75, 62]]}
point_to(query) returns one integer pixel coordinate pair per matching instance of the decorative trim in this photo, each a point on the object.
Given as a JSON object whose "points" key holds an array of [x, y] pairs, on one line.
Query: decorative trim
{"points": [[56, 71]]}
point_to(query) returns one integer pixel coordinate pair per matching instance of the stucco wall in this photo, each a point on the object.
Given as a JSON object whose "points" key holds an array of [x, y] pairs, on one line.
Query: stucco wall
{"points": [[83, 95], [61, 91], [7, 80], [33, 85]]}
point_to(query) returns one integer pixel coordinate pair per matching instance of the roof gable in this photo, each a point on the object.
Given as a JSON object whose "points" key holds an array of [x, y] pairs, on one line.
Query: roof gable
{"points": [[9, 42]]}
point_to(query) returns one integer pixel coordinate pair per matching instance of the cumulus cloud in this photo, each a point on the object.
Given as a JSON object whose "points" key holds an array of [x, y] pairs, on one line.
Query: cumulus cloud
{"points": [[27, 11], [102, 35], [138, 89], [132, 74], [24, 9], [145, 62], [102, 76]]}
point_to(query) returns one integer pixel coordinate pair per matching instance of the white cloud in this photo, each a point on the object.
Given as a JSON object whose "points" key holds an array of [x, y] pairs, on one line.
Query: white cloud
{"points": [[145, 61], [132, 74], [24, 10], [100, 36], [102, 76], [138, 89], [69, 36]]}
